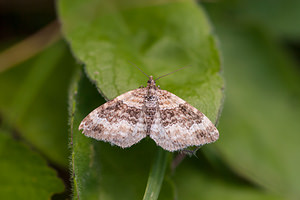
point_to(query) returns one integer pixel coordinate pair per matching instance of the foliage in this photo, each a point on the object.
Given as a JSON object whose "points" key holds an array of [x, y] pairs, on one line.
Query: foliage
{"points": [[256, 156]]}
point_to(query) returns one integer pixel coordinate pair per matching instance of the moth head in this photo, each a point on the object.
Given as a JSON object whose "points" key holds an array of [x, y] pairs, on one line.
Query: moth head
{"points": [[151, 81]]}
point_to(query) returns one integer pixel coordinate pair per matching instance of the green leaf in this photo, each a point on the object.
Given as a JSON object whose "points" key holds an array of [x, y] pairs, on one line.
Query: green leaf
{"points": [[102, 171], [194, 183], [35, 104], [260, 122], [24, 174], [108, 36]]}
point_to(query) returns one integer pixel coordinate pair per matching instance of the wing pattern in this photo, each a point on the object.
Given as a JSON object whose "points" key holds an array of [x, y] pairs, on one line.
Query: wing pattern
{"points": [[178, 125], [119, 121]]}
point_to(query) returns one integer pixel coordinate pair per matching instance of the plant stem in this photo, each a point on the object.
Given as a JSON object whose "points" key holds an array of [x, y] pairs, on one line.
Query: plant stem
{"points": [[156, 175], [30, 46]]}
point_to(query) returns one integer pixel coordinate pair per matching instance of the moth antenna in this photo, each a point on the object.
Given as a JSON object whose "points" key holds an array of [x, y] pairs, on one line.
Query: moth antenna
{"points": [[139, 68], [171, 72]]}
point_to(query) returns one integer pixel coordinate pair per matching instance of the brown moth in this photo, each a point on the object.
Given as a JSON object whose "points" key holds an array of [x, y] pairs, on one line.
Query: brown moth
{"points": [[170, 121]]}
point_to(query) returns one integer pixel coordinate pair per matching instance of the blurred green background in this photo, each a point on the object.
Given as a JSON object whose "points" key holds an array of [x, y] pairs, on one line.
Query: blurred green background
{"points": [[256, 157]]}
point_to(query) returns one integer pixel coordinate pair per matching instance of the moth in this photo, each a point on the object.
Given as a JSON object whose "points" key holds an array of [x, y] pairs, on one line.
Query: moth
{"points": [[149, 111]]}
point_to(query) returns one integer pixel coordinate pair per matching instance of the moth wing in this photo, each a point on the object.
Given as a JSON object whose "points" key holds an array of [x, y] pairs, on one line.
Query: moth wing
{"points": [[178, 125], [119, 121]]}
